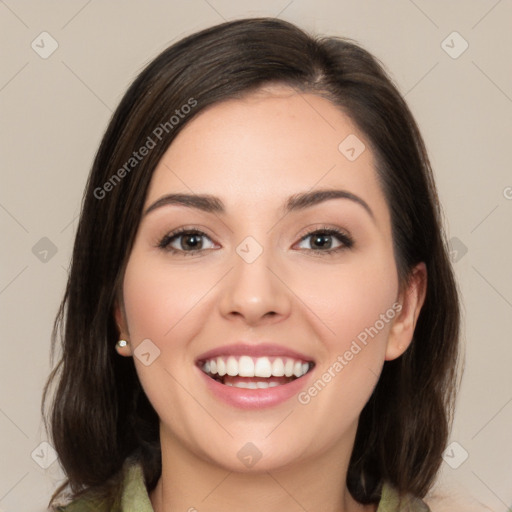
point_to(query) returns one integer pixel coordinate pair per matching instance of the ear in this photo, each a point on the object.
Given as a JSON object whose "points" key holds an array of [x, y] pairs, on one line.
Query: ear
{"points": [[122, 326], [411, 299]]}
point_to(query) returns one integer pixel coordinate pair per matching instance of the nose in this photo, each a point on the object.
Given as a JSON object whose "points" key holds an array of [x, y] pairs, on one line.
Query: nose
{"points": [[255, 292]]}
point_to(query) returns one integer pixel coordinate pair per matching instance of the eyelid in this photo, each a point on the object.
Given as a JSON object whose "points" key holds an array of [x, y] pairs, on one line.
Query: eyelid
{"points": [[345, 239], [314, 228], [164, 241]]}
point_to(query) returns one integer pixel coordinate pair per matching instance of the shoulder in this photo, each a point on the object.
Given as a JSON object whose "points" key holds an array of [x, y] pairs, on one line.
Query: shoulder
{"points": [[86, 503], [447, 501], [83, 504], [392, 501], [133, 495]]}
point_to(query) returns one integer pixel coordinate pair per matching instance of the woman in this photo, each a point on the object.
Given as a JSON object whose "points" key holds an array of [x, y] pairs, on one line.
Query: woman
{"points": [[261, 242]]}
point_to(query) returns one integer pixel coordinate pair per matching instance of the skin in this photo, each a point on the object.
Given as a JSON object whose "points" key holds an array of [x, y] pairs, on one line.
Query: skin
{"points": [[253, 154]]}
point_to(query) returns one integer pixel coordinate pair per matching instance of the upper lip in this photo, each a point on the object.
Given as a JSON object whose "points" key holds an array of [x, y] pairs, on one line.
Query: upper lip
{"points": [[259, 350]]}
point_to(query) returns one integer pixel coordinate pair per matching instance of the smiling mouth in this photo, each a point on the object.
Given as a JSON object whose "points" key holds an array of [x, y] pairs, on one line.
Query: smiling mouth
{"points": [[255, 372]]}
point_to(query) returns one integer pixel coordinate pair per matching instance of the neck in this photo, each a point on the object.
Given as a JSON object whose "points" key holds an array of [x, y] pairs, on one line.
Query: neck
{"points": [[193, 484]]}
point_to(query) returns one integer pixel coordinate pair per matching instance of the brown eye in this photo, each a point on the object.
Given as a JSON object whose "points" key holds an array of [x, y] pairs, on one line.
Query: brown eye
{"points": [[190, 242], [326, 240], [186, 241]]}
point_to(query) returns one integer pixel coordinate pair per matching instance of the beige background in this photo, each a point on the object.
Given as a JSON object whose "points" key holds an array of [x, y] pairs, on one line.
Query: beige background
{"points": [[54, 112]]}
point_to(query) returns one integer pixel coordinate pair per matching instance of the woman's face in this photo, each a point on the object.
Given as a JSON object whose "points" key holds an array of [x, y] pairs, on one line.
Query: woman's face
{"points": [[272, 276]]}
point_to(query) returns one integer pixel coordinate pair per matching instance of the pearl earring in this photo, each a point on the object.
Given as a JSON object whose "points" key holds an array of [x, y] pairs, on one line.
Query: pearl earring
{"points": [[121, 344]]}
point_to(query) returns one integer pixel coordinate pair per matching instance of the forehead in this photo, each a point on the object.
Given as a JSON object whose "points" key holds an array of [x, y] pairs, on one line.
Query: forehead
{"points": [[263, 148]]}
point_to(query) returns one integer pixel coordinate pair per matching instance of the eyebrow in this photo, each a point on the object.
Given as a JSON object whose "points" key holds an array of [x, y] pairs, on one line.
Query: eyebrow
{"points": [[301, 201]]}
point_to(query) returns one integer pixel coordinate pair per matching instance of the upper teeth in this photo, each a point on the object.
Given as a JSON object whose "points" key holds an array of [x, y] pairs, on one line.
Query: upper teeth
{"points": [[246, 366]]}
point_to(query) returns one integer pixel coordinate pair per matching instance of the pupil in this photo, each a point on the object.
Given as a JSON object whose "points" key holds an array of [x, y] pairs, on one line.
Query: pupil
{"points": [[195, 241], [322, 241]]}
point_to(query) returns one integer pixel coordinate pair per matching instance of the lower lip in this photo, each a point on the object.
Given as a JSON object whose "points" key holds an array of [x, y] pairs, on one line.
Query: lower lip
{"points": [[255, 398]]}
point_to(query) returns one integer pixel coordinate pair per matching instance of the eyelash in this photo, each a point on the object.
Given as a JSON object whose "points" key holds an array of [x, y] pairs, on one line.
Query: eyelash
{"points": [[346, 241]]}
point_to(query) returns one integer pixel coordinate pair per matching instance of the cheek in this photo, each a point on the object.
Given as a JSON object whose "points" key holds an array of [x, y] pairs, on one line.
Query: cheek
{"points": [[158, 300], [364, 299], [164, 306], [350, 299], [358, 304]]}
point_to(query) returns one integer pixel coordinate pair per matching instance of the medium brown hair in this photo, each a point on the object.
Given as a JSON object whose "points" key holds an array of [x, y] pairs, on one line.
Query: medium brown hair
{"points": [[99, 414]]}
